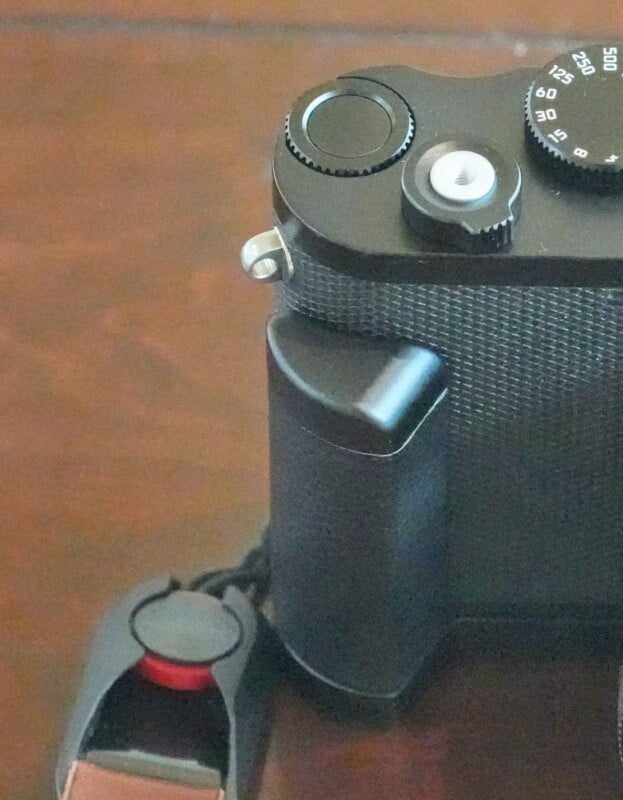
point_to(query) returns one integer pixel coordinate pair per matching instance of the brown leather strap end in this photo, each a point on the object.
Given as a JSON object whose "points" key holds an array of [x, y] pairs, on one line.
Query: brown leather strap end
{"points": [[89, 782]]}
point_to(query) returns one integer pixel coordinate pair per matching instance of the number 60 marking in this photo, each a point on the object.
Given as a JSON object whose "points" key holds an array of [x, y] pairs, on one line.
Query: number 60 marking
{"points": [[550, 93]]}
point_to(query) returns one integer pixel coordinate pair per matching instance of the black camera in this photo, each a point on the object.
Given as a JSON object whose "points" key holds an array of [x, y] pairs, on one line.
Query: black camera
{"points": [[445, 364], [445, 382]]}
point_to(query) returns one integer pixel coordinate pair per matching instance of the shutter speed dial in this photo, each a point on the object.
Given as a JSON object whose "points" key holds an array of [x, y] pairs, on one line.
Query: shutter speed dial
{"points": [[574, 117]]}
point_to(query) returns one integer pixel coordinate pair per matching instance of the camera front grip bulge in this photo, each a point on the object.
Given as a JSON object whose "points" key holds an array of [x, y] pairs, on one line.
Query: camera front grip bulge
{"points": [[358, 485]]}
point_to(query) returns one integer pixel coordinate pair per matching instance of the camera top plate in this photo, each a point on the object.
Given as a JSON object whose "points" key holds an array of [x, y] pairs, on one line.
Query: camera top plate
{"points": [[566, 235]]}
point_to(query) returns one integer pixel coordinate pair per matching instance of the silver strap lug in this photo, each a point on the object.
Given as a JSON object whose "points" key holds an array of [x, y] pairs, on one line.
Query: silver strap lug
{"points": [[266, 257]]}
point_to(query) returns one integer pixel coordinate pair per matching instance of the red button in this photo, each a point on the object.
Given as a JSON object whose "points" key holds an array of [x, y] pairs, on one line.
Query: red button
{"points": [[182, 677]]}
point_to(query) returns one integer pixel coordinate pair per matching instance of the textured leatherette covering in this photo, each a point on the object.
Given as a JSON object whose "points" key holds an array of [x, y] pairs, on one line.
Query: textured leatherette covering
{"points": [[536, 430], [358, 555]]}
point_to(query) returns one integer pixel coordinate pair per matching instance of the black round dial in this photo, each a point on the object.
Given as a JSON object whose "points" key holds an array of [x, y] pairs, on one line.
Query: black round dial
{"points": [[574, 116], [349, 128]]}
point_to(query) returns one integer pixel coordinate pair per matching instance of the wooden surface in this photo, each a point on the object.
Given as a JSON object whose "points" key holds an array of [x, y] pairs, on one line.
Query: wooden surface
{"points": [[533, 18], [134, 161]]}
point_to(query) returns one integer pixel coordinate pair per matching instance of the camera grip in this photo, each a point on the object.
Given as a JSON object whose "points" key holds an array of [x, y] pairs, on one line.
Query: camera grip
{"points": [[358, 485]]}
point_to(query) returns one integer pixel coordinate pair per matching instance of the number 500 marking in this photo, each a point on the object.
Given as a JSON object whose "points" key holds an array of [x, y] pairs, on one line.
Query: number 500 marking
{"points": [[611, 59]]}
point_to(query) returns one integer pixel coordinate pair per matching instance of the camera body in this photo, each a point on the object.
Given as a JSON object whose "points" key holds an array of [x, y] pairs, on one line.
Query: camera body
{"points": [[453, 246]]}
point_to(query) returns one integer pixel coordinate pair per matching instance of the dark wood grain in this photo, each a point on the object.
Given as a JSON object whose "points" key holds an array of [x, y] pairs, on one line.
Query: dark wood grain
{"points": [[133, 405], [582, 19], [512, 727]]}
